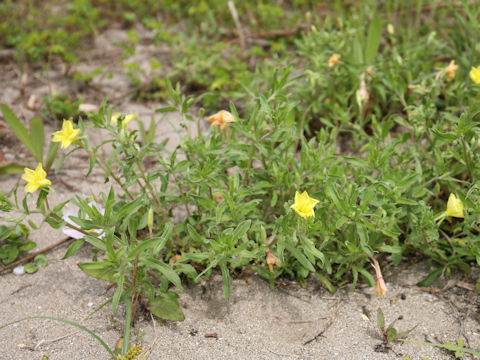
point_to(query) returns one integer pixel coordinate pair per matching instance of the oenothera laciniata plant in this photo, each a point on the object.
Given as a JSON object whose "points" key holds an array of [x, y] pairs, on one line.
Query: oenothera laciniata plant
{"points": [[254, 192]]}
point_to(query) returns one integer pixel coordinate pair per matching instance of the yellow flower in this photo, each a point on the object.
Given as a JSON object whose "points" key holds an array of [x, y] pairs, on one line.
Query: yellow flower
{"points": [[67, 135], [450, 70], [221, 119], [35, 179], [334, 60], [454, 207], [125, 121], [475, 74], [132, 354], [304, 204], [272, 260]]}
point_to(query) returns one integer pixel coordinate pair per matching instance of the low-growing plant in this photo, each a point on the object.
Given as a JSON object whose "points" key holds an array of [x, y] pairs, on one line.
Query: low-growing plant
{"points": [[457, 348], [59, 107], [390, 334]]}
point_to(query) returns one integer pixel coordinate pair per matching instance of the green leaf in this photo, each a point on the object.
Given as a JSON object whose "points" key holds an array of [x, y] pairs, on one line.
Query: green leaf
{"points": [[54, 223], [442, 135], [144, 245], [59, 163], [373, 39], [51, 155], [31, 268], [37, 137], [150, 135], [91, 163], [11, 169], [99, 244], [403, 334], [195, 235], [301, 258], [127, 328], [99, 271], [166, 306], [17, 127], [430, 278], [166, 109], [41, 197], [166, 271], [8, 253], [391, 334], [241, 229], [326, 282], [118, 292], [380, 320], [29, 245], [367, 276], [357, 54], [40, 260]]}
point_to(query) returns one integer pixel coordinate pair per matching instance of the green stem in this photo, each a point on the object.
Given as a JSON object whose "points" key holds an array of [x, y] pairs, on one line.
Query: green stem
{"points": [[147, 183], [73, 227], [108, 170], [184, 199], [249, 164], [467, 159], [134, 293]]}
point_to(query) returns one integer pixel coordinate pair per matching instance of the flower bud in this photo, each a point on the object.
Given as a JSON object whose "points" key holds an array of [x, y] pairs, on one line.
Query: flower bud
{"points": [[381, 288], [272, 260]]}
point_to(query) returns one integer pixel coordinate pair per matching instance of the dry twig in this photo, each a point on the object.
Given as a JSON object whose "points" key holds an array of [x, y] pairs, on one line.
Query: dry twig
{"points": [[330, 323], [31, 256], [238, 25]]}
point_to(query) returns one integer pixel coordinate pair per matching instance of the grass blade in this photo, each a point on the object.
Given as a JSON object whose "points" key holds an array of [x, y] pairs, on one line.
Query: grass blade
{"points": [[81, 327]]}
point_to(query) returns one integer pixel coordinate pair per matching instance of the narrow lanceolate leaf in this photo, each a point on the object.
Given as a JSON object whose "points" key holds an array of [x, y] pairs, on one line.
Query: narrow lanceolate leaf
{"points": [[17, 127], [302, 259], [373, 39], [51, 155], [166, 306], [37, 137], [380, 320], [430, 278], [11, 169], [165, 270]]}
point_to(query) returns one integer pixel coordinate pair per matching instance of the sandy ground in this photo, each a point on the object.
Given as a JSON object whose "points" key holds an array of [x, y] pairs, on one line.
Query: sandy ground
{"points": [[255, 323]]}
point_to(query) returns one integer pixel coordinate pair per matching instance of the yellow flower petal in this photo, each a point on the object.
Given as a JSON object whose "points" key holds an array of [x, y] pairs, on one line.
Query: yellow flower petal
{"points": [[221, 119], [126, 120], [35, 178], [450, 70], [454, 207], [334, 60], [304, 204], [475, 74], [67, 135]]}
